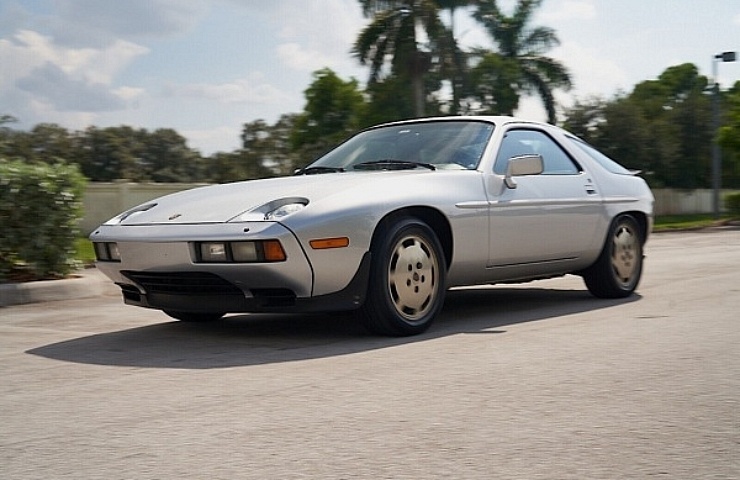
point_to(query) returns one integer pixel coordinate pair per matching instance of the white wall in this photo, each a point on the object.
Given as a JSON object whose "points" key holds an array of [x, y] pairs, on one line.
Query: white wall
{"points": [[103, 201]]}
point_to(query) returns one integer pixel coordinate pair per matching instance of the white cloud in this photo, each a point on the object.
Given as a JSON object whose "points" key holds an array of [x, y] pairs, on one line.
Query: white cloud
{"points": [[736, 19], [52, 82], [209, 141], [42, 110], [319, 34], [105, 64], [92, 22], [569, 10], [67, 93], [129, 93], [298, 57], [591, 72], [28, 50], [247, 90]]}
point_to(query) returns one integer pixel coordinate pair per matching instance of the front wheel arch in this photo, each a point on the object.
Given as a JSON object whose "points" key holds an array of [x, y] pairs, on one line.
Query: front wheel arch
{"points": [[432, 217], [407, 282]]}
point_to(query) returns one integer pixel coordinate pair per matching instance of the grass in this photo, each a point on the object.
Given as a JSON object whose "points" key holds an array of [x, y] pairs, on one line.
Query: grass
{"points": [[85, 252], [667, 223]]}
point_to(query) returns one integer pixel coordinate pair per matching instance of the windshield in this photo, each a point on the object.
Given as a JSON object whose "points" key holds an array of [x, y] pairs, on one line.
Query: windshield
{"points": [[431, 145]]}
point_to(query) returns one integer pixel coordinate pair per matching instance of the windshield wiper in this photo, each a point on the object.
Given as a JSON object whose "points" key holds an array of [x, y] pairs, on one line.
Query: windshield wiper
{"points": [[318, 169], [391, 164]]}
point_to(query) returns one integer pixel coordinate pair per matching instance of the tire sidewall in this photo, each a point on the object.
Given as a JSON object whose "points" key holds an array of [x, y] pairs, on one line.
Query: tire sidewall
{"points": [[601, 279], [380, 305]]}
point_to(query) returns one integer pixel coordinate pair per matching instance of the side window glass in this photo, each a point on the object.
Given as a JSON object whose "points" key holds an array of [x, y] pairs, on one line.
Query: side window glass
{"points": [[524, 142]]}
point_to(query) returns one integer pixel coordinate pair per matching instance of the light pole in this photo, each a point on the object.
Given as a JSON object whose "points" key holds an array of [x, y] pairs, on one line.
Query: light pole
{"points": [[716, 152]]}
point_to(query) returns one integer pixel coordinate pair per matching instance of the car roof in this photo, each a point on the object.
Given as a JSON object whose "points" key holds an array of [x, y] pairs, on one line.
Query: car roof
{"points": [[498, 120]]}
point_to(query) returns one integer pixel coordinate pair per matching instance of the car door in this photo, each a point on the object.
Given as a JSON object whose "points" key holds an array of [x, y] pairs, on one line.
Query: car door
{"points": [[547, 219]]}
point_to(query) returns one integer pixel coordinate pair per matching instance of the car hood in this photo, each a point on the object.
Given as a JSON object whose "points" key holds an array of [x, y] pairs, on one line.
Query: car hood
{"points": [[250, 200]]}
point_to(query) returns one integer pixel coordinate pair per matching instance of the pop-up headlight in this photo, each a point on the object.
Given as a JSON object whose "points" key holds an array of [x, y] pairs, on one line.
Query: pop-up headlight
{"points": [[284, 210], [128, 213]]}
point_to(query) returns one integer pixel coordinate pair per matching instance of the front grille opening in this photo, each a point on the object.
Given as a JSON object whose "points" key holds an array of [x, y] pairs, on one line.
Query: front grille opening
{"points": [[182, 283], [274, 297], [130, 292]]}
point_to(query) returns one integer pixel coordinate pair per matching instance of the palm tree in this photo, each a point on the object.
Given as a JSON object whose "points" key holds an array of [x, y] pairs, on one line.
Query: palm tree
{"points": [[453, 5], [454, 59], [525, 46], [393, 34]]}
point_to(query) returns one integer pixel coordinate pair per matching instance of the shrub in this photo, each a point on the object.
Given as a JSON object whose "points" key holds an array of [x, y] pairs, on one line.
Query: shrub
{"points": [[732, 201], [40, 207]]}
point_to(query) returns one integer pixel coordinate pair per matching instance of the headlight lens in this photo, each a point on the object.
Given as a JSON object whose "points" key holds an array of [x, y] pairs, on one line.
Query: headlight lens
{"points": [[107, 252], [213, 252], [257, 251], [115, 254], [244, 251], [284, 211]]}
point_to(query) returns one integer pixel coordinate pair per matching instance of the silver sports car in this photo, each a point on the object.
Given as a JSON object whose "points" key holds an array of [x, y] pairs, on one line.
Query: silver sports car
{"points": [[385, 223]]}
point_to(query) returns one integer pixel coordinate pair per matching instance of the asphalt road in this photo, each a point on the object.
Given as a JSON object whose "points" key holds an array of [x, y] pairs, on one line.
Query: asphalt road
{"points": [[513, 382]]}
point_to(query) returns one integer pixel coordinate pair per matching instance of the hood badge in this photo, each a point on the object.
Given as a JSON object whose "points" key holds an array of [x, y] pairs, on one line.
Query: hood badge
{"points": [[177, 215]]}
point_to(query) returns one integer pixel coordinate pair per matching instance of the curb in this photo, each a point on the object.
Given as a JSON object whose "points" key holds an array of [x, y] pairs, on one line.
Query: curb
{"points": [[85, 284]]}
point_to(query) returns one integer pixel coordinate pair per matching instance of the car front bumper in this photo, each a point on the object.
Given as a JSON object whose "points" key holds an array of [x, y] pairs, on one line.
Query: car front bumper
{"points": [[158, 268]]}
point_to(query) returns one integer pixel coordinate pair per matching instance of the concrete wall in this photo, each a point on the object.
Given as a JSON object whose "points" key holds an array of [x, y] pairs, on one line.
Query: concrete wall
{"points": [[679, 202], [103, 201]]}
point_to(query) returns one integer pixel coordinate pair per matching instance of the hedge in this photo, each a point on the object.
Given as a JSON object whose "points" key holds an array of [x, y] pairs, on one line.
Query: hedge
{"points": [[732, 201], [40, 209]]}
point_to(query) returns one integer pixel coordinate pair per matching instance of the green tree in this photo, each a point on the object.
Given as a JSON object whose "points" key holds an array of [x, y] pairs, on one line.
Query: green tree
{"points": [[111, 154], [6, 133], [525, 47], [729, 137], [389, 101], [45, 143], [166, 157], [453, 59], [393, 34], [492, 86], [333, 111], [678, 110], [585, 117], [729, 134], [138, 155], [662, 127], [265, 149]]}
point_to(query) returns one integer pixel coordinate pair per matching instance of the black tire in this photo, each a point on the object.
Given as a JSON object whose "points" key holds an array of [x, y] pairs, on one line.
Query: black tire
{"points": [[618, 269], [407, 280], [193, 316]]}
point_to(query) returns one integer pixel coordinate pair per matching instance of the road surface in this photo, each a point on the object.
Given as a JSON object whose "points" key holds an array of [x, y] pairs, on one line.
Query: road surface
{"points": [[514, 382]]}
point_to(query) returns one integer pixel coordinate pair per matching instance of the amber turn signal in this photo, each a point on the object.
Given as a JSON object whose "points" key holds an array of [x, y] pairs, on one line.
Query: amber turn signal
{"points": [[324, 243]]}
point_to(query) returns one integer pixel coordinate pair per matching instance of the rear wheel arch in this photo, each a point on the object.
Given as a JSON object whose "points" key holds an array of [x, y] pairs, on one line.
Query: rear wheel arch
{"points": [[642, 222]]}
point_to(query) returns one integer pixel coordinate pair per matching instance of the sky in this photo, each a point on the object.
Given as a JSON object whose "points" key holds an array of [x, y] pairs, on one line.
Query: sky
{"points": [[206, 67]]}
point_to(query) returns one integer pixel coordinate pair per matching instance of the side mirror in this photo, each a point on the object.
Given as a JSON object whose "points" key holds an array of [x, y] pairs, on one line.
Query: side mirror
{"points": [[523, 165]]}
